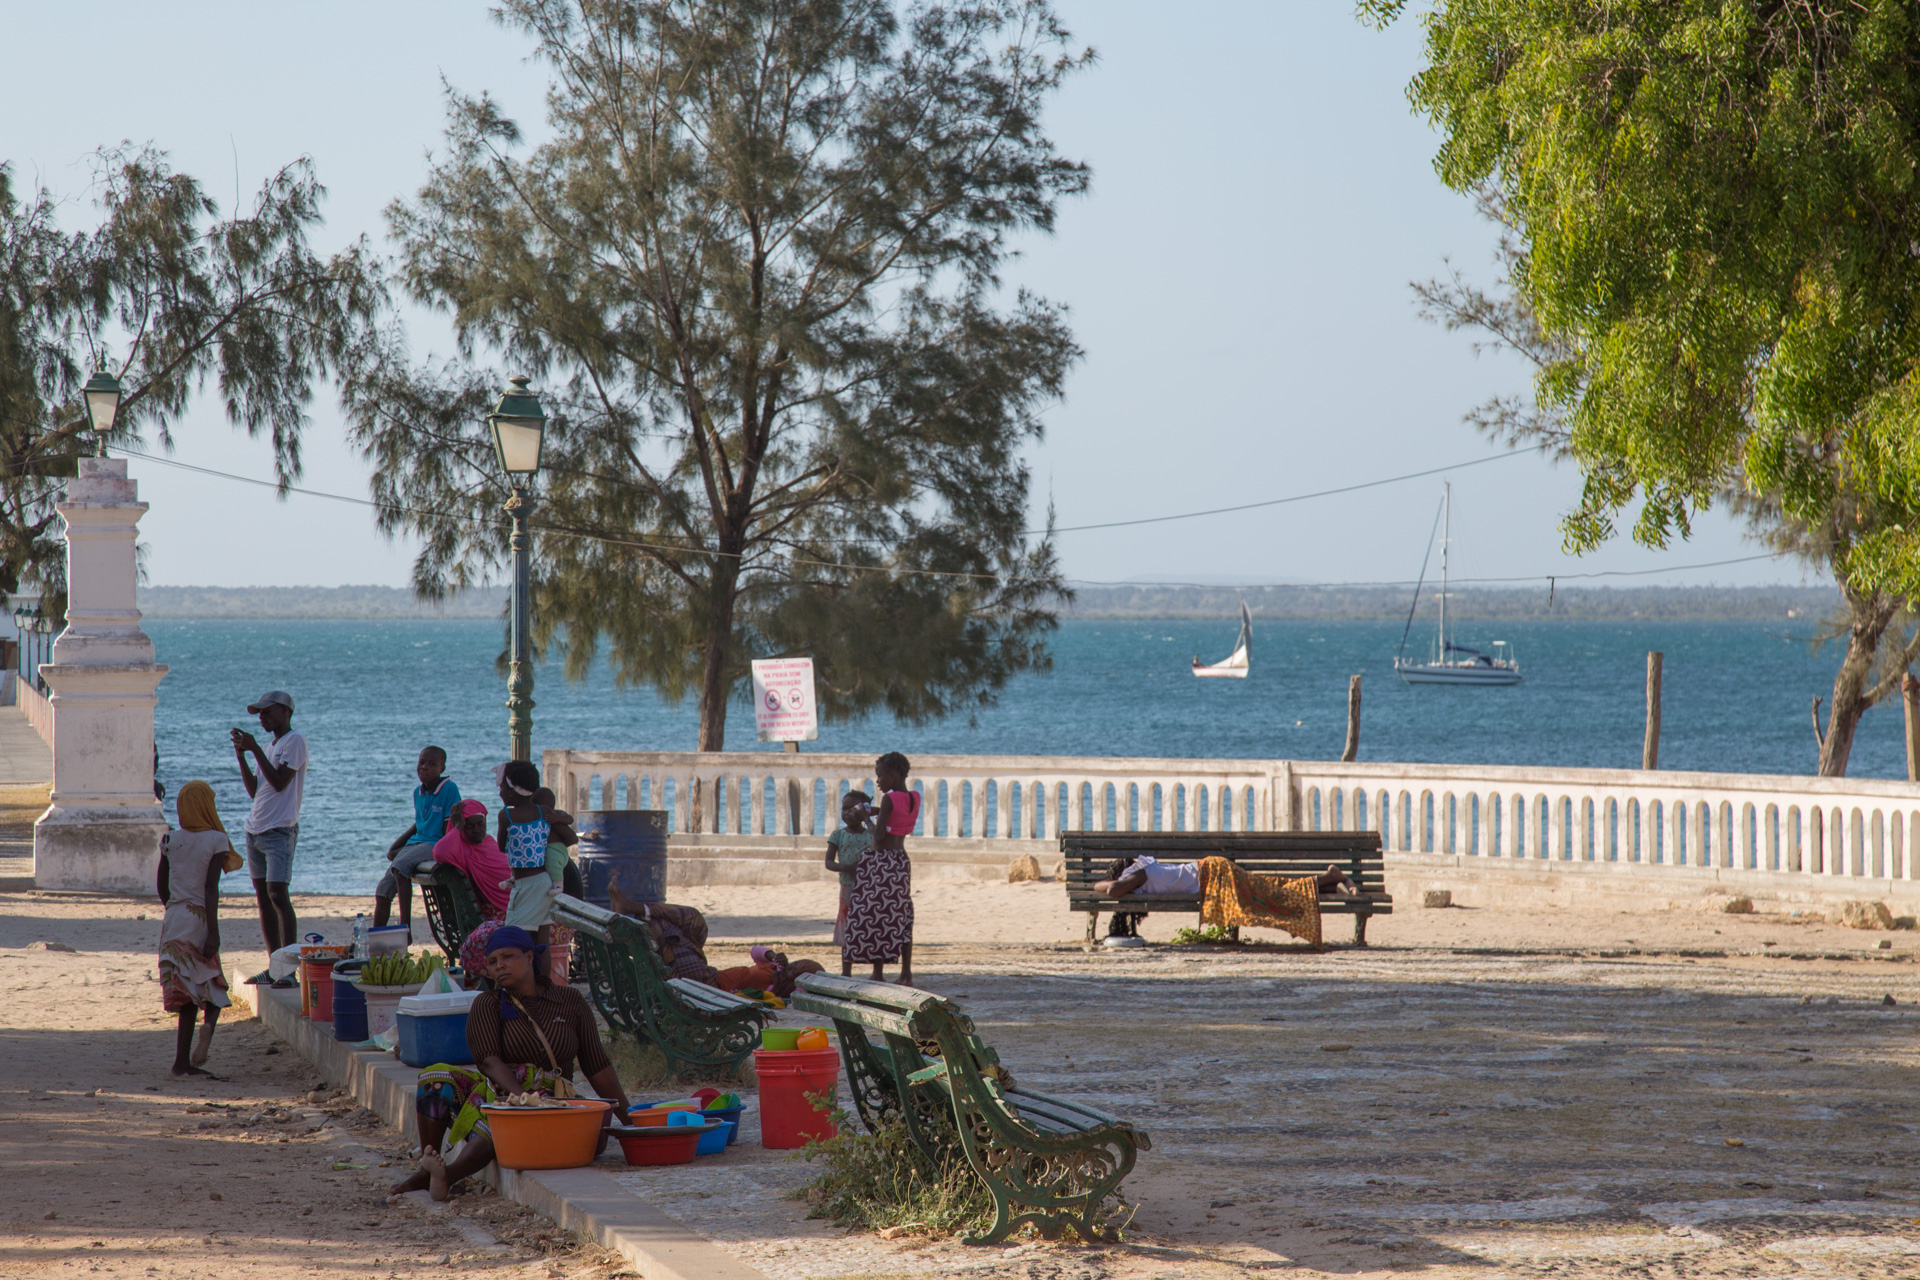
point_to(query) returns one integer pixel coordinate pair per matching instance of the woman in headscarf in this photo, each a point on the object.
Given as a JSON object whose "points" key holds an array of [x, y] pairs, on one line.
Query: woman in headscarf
{"points": [[192, 861], [526, 1036]]}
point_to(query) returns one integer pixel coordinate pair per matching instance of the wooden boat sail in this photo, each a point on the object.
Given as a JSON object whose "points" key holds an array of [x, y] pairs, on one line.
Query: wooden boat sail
{"points": [[1452, 663], [1236, 664]]}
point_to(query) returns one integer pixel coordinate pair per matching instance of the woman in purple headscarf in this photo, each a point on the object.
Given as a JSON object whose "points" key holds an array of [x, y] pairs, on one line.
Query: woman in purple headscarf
{"points": [[527, 1035]]}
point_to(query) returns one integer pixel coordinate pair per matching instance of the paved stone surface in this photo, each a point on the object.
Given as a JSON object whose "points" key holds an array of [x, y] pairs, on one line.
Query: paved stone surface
{"points": [[24, 759]]}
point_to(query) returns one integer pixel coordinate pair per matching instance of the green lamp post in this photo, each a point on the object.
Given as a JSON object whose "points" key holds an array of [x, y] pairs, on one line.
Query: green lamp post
{"points": [[519, 428], [102, 394]]}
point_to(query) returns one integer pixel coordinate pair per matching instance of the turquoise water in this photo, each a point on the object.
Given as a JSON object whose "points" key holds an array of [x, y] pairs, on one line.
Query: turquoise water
{"points": [[370, 694]]}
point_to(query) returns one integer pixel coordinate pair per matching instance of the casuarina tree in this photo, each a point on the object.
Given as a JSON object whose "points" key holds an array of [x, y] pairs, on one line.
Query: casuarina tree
{"points": [[754, 269], [1715, 207], [168, 295]]}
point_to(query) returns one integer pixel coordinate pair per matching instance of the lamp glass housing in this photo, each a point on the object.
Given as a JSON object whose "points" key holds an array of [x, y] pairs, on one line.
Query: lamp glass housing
{"points": [[519, 427], [103, 400]]}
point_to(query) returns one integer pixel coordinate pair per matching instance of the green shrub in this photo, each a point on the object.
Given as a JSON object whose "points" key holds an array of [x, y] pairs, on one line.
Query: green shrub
{"points": [[872, 1181], [1211, 933]]}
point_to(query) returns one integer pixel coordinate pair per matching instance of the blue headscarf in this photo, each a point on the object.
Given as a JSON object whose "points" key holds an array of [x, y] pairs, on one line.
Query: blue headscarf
{"points": [[513, 936], [510, 935]]}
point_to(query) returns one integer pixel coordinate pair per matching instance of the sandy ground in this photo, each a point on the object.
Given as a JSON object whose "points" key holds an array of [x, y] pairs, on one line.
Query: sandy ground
{"points": [[113, 1166], [1483, 1092]]}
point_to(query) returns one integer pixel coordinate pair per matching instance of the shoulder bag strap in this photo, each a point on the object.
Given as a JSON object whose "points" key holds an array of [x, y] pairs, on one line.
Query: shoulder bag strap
{"points": [[553, 1063]]}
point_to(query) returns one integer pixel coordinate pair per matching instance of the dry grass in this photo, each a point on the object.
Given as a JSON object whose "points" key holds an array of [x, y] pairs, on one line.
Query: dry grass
{"points": [[643, 1067], [19, 807]]}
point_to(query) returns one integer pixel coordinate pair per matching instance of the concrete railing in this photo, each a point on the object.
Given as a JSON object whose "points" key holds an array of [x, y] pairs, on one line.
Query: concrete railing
{"points": [[1819, 833], [1829, 827], [39, 710], [964, 797]]}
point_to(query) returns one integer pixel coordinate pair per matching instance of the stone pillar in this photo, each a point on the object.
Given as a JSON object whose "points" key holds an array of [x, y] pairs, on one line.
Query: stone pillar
{"points": [[102, 832]]}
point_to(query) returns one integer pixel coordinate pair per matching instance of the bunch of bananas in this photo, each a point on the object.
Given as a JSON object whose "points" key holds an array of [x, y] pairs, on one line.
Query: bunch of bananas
{"points": [[399, 969]]}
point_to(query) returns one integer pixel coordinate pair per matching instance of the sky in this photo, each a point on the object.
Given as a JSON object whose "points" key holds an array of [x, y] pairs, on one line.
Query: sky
{"points": [[1238, 276]]}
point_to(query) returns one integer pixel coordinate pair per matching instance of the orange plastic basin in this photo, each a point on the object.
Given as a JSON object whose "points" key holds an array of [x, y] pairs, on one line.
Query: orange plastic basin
{"points": [[654, 1117], [564, 1137]]}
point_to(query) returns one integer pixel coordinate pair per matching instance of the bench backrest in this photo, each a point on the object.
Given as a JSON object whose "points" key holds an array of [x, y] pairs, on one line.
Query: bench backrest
{"points": [[453, 905]]}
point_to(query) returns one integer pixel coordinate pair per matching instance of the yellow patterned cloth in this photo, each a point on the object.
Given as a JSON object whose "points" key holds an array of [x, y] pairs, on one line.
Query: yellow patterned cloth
{"points": [[1231, 897]]}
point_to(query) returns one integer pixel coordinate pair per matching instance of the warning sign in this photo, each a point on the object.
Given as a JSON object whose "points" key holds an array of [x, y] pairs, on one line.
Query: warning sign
{"points": [[783, 700]]}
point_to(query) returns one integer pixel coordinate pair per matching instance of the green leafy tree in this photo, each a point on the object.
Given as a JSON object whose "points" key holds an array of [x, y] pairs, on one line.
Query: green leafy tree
{"points": [[169, 295], [754, 269], [1715, 207]]}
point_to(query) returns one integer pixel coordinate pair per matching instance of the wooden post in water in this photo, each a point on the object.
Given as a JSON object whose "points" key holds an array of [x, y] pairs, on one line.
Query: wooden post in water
{"points": [[1352, 750], [1910, 696], [1650, 749]]}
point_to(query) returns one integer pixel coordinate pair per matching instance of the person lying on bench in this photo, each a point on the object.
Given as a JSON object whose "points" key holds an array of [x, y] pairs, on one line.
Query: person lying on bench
{"points": [[680, 936], [1230, 896], [1145, 874]]}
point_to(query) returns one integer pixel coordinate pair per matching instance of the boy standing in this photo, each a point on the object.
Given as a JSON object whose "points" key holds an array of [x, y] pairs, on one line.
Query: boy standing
{"points": [[433, 801], [273, 825]]}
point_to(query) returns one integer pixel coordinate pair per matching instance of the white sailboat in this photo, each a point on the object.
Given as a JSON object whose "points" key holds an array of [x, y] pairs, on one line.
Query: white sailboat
{"points": [[1236, 664], [1452, 663]]}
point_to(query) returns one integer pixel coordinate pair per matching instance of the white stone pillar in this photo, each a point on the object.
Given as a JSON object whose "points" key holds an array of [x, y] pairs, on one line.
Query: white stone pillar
{"points": [[102, 832]]}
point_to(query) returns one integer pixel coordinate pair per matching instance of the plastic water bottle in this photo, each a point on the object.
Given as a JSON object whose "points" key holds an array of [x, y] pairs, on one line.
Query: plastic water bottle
{"points": [[360, 936]]}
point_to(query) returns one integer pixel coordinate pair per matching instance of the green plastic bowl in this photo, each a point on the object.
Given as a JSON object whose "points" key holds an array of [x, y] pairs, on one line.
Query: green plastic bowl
{"points": [[779, 1037]]}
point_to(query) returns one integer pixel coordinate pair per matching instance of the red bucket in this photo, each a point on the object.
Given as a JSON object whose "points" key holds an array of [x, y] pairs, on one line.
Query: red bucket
{"points": [[319, 983], [788, 1117]]}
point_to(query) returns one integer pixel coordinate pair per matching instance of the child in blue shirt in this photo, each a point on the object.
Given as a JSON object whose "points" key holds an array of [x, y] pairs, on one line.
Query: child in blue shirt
{"points": [[844, 849], [433, 800]]}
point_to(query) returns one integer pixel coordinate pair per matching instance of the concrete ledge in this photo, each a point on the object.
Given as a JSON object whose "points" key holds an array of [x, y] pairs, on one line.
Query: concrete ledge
{"points": [[1529, 882], [587, 1201], [697, 859]]}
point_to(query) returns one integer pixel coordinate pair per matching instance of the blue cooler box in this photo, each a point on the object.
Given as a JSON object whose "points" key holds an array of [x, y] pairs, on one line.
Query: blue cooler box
{"points": [[434, 1028]]}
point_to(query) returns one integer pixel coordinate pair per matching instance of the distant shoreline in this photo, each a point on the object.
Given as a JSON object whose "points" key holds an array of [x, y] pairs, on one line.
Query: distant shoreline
{"points": [[1330, 604]]}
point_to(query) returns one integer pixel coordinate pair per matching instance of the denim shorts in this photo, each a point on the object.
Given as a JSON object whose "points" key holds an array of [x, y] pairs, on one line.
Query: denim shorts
{"points": [[270, 854], [404, 864]]}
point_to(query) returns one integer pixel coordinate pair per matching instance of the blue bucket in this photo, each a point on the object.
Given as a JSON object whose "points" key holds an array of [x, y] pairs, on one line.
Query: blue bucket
{"points": [[629, 843], [349, 1004]]}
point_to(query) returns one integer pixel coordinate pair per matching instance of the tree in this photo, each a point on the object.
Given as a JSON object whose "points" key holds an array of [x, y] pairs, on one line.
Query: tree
{"points": [[1715, 206], [169, 295], [754, 268]]}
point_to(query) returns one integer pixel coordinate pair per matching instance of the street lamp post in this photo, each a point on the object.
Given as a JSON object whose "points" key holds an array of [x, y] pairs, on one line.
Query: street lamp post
{"points": [[519, 428]]}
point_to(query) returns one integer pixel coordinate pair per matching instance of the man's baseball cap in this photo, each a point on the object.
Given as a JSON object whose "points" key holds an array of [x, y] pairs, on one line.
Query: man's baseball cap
{"points": [[271, 698]]}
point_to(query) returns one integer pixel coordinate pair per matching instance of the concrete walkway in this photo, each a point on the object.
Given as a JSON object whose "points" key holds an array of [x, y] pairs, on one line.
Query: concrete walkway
{"points": [[24, 759]]}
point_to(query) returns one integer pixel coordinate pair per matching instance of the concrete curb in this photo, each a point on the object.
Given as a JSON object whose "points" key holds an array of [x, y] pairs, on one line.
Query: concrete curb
{"points": [[587, 1201]]}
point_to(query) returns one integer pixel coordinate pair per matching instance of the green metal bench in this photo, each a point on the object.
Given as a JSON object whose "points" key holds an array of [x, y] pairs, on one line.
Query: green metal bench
{"points": [[691, 1023], [1286, 854], [1046, 1161], [453, 909]]}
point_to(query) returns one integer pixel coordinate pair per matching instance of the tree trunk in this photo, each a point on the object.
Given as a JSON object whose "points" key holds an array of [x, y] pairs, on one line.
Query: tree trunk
{"points": [[1867, 621], [714, 687]]}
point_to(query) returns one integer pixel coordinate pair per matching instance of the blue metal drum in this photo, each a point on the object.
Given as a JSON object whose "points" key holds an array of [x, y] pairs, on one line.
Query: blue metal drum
{"points": [[628, 843]]}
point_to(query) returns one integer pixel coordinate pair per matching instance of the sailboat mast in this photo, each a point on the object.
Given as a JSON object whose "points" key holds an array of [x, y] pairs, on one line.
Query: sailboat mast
{"points": [[1446, 538]]}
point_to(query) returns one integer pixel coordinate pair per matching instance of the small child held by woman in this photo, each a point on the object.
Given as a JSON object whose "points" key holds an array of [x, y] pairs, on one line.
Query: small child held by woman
{"points": [[845, 848], [879, 925]]}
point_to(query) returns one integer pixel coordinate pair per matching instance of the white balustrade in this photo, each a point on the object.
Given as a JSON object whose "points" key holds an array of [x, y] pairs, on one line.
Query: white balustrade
{"points": [[1838, 828]]}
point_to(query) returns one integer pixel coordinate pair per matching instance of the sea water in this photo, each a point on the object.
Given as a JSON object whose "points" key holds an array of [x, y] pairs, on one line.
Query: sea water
{"points": [[371, 694]]}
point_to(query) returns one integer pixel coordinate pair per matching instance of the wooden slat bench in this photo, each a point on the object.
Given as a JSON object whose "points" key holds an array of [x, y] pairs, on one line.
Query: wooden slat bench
{"points": [[1046, 1161], [1087, 855], [693, 1024]]}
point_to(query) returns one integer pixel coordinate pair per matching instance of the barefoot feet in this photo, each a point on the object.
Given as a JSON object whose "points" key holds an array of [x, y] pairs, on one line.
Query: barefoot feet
{"points": [[436, 1168]]}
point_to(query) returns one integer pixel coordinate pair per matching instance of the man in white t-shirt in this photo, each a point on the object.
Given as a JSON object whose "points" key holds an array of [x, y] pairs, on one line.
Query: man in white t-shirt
{"points": [[273, 826]]}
